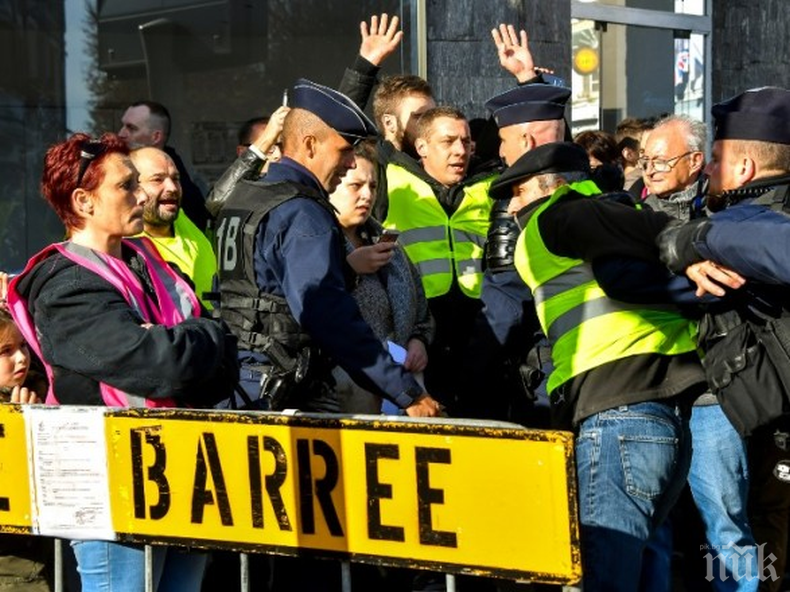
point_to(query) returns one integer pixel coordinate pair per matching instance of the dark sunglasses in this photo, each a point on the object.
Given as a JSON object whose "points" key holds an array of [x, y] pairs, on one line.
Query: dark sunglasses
{"points": [[89, 150]]}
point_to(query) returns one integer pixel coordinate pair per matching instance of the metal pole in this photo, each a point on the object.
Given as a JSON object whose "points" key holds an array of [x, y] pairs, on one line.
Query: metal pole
{"points": [[450, 585], [419, 41], [149, 569], [345, 575], [59, 565], [244, 566]]}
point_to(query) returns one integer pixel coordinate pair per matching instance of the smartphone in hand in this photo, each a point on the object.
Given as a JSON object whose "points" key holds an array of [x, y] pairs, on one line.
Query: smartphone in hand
{"points": [[389, 235]]}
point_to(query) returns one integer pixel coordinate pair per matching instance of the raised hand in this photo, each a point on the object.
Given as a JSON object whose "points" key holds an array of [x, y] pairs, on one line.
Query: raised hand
{"points": [[274, 128], [513, 51], [25, 396], [380, 39]]}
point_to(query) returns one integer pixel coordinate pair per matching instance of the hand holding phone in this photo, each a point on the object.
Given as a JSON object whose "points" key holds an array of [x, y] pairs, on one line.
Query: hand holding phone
{"points": [[389, 235]]}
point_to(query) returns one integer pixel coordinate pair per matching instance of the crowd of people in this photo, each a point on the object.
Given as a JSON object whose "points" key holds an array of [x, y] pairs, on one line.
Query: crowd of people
{"points": [[401, 265]]}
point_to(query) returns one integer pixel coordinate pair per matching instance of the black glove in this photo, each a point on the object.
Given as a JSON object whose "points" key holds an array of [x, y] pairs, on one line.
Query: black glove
{"points": [[501, 240], [677, 243]]}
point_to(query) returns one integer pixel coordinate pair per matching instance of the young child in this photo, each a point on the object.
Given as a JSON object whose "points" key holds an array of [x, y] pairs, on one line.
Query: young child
{"points": [[17, 383], [24, 560]]}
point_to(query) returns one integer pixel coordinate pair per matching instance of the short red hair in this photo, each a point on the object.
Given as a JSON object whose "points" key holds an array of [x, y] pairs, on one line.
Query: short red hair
{"points": [[62, 168]]}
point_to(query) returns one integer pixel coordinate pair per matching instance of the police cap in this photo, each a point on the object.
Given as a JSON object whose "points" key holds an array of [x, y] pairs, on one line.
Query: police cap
{"points": [[531, 102], [761, 114], [556, 157], [333, 108]]}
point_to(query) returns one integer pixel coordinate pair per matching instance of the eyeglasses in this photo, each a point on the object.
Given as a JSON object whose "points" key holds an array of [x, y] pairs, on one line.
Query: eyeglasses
{"points": [[88, 152], [662, 165]]}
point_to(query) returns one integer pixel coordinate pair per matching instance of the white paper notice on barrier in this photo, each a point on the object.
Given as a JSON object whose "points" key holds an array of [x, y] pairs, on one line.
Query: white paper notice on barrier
{"points": [[69, 472]]}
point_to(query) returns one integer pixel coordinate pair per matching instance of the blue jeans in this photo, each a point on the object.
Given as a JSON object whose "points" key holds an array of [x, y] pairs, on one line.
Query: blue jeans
{"points": [[719, 482], [631, 464], [120, 567]]}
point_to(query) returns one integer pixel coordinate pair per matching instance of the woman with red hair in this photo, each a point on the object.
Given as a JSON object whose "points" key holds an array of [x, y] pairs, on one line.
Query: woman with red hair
{"points": [[116, 326]]}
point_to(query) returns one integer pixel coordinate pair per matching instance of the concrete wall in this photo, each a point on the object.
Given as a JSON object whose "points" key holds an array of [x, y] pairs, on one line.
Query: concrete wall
{"points": [[751, 45], [463, 66]]}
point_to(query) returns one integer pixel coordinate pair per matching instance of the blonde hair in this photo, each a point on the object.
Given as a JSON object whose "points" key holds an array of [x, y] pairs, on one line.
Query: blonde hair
{"points": [[6, 324]]}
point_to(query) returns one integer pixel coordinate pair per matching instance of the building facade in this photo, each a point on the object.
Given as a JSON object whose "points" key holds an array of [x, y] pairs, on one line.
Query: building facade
{"points": [[217, 64]]}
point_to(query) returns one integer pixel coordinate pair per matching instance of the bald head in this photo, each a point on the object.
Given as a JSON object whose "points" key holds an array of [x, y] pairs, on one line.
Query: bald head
{"points": [[519, 138], [148, 153], [298, 124], [160, 181], [320, 149]]}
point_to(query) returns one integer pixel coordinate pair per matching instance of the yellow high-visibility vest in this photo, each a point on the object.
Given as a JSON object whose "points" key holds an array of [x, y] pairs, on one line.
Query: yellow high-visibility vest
{"points": [[585, 327], [192, 252], [436, 243]]}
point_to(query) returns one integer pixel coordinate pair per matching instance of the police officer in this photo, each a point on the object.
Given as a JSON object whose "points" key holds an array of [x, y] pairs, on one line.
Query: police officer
{"points": [[623, 376], [527, 116], [749, 176], [283, 275]]}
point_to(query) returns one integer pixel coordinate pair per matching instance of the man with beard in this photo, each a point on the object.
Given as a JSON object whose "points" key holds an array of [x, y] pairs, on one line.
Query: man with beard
{"points": [[148, 123], [176, 237]]}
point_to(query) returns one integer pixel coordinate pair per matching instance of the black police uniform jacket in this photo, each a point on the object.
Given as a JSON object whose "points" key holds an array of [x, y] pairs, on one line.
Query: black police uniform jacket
{"points": [[284, 284]]}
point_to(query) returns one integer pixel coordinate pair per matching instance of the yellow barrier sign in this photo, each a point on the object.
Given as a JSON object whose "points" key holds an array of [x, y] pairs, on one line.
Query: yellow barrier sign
{"points": [[461, 497], [15, 507]]}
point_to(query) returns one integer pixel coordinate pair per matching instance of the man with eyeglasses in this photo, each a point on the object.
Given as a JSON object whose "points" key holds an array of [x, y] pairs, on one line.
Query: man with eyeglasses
{"points": [[672, 164], [746, 356]]}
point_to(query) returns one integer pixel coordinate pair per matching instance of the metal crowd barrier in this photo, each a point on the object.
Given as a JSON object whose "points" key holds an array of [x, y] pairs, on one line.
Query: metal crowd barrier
{"points": [[450, 496]]}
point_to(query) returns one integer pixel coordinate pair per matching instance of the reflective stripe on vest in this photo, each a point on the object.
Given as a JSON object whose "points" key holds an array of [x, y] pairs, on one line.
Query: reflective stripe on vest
{"points": [[438, 245], [585, 327], [175, 302]]}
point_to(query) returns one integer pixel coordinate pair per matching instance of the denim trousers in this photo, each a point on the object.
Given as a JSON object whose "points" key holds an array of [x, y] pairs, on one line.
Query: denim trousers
{"points": [[631, 464], [719, 482], [118, 567]]}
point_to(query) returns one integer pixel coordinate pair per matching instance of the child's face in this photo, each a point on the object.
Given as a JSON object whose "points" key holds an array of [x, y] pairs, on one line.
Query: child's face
{"points": [[14, 358]]}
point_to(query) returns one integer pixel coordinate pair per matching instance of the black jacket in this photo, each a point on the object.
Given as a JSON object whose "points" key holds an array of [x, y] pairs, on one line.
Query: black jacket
{"points": [[591, 229], [89, 334]]}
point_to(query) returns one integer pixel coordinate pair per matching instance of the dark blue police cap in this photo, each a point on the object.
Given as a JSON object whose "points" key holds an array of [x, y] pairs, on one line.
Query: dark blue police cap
{"points": [[531, 102], [761, 114], [556, 157], [333, 108]]}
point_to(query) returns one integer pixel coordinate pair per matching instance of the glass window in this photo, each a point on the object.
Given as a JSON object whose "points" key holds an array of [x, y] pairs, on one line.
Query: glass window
{"points": [[624, 71], [696, 7], [213, 64]]}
